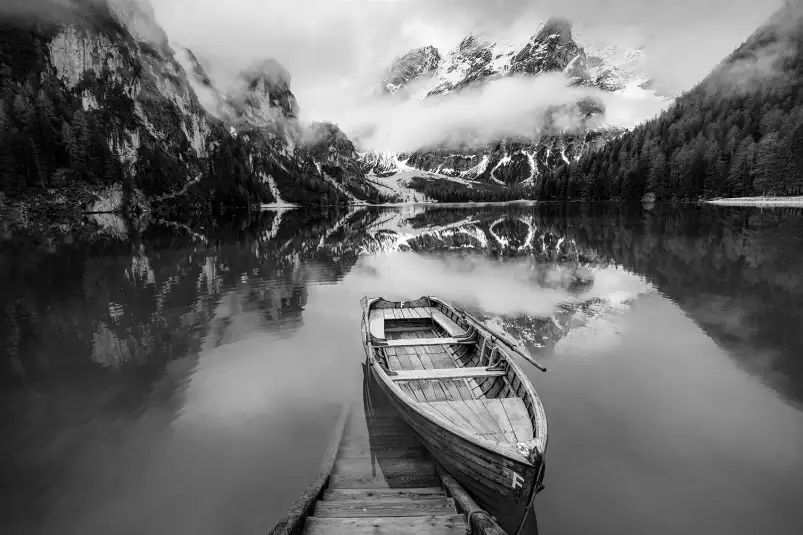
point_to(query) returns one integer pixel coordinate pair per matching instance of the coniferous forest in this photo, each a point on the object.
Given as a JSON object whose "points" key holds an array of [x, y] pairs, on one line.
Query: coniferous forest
{"points": [[738, 133]]}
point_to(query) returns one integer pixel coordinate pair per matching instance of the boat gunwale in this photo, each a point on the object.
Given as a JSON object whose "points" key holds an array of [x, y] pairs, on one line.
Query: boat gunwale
{"points": [[514, 451]]}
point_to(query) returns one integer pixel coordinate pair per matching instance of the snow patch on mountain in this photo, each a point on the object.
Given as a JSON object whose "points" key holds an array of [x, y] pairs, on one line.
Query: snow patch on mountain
{"points": [[278, 202]]}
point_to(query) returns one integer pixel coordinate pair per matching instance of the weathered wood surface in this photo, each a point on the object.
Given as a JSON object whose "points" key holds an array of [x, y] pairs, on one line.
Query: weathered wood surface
{"points": [[449, 326], [446, 373], [426, 341], [480, 521], [402, 506], [380, 494], [381, 481], [496, 473], [426, 525]]}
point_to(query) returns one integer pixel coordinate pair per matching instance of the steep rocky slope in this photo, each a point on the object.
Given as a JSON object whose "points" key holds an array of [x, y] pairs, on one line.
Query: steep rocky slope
{"points": [[416, 64], [95, 98], [478, 61]]}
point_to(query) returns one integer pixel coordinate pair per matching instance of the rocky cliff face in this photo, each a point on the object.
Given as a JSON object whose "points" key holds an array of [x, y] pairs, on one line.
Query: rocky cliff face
{"points": [[552, 49], [478, 60], [99, 97], [417, 64]]}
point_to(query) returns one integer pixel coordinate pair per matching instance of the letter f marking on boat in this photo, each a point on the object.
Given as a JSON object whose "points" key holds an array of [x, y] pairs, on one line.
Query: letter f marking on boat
{"points": [[518, 481]]}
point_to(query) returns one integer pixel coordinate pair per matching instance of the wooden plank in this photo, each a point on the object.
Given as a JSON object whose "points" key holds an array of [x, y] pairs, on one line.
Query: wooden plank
{"points": [[474, 387], [494, 406], [407, 390], [468, 415], [454, 355], [393, 360], [440, 391], [424, 525], [519, 418], [452, 392], [451, 415], [413, 356], [368, 481], [388, 452], [483, 417], [387, 507], [462, 387], [368, 494], [426, 342], [432, 355], [429, 390], [448, 325], [415, 386], [404, 360], [448, 373], [407, 329], [423, 356]]}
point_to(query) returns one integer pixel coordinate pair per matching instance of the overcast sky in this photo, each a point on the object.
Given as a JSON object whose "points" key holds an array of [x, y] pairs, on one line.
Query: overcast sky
{"points": [[335, 48]]}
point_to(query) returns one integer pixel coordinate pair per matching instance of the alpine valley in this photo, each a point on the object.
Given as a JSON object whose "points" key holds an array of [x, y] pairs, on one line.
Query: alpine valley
{"points": [[563, 132], [100, 112]]}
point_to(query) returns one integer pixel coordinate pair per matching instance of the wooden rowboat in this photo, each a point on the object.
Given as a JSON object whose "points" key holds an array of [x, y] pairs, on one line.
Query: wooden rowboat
{"points": [[454, 383]]}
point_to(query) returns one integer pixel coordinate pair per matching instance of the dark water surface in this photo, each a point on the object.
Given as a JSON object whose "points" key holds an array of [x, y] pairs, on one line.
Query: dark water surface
{"points": [[185, 380]]}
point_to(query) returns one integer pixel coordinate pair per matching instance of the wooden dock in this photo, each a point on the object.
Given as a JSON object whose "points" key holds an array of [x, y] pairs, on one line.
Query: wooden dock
{"points": [[379, 480]]}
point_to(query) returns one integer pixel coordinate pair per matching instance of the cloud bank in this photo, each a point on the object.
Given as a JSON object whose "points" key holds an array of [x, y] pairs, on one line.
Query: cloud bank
{"points": [[506, 107], [334, 46]]}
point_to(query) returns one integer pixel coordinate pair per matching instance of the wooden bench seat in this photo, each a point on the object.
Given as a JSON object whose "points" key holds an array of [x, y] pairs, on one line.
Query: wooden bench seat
{"points": [[402, 342], [380, 315], [445, 373], [448, 325], [377, 326]]}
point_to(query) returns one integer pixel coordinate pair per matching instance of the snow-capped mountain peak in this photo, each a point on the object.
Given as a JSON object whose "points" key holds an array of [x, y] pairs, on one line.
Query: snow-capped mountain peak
{"points": [[414, 65], [554, 47]]}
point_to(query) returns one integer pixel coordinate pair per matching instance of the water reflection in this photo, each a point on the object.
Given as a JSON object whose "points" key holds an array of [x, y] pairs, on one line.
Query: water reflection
{"points": [[213, 354]]}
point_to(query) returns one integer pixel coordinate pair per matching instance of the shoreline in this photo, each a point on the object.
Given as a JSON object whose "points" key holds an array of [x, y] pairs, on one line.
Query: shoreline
{"points": [[758, 201]]}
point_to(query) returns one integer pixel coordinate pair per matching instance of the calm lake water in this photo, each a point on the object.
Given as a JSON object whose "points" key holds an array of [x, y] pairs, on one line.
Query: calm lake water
{"points": [[185, 379]]}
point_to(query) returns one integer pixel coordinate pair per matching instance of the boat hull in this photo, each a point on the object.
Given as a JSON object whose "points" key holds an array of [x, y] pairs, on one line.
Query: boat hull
{"points": [[502, 486]]}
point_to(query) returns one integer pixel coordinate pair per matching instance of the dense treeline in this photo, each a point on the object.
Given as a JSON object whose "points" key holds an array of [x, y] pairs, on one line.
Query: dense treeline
{"points": [[46, 139], [738, 133], [49, 138], [52, 137], [443, 190]]}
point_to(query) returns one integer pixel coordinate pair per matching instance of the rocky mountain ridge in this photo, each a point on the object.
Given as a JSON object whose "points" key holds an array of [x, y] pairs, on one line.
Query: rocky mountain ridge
{"points": [[100, 98], [477, 61], [554, 47]]}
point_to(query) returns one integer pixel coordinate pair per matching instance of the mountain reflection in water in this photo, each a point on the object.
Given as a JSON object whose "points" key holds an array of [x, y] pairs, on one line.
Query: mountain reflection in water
{"points": [[184, 378]]}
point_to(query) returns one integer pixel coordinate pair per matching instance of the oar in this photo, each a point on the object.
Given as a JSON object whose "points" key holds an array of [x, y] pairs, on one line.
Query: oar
{"points": [[512, 345]]}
